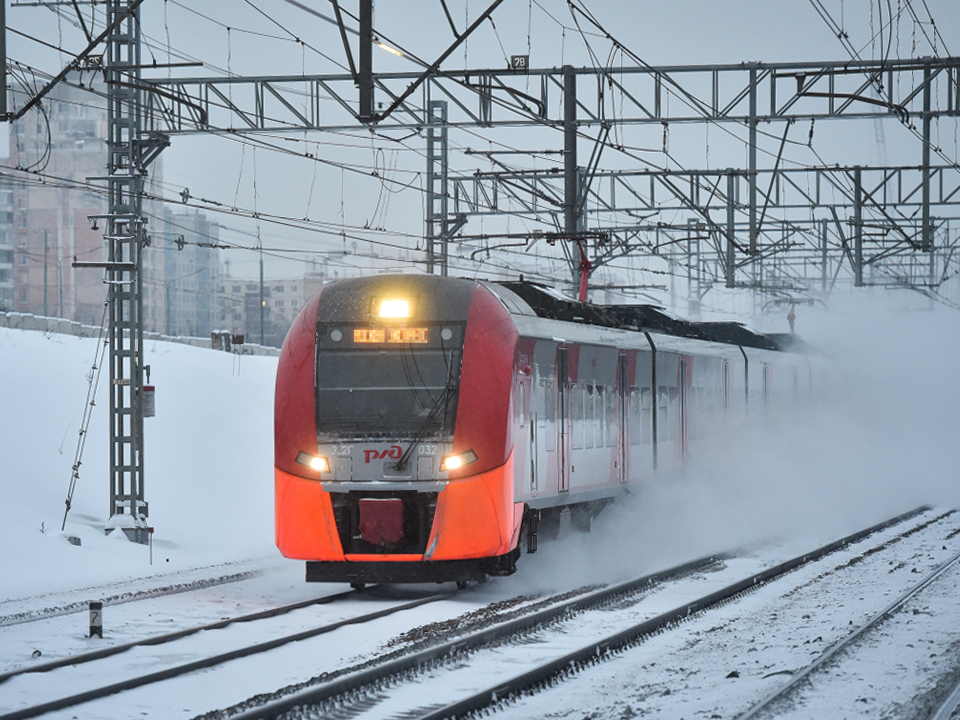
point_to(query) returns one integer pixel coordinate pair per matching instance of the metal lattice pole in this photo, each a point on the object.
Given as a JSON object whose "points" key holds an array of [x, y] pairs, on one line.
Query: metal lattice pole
{"points": [[124, 239], [437, 190]]}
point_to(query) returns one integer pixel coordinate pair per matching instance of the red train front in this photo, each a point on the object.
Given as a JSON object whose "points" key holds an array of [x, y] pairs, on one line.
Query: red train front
{"points": [[392, 433]]}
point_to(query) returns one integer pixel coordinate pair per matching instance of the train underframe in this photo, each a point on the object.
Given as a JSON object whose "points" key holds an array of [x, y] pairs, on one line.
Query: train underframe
{"points": [[538, 523]]}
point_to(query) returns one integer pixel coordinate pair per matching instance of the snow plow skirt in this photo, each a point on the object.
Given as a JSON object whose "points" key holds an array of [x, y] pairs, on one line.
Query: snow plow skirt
{"points": [[410, 572]]}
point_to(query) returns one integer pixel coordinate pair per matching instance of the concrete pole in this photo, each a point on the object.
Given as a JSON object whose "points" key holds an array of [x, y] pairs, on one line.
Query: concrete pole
{"points": [[262, 300], [3, 58]]}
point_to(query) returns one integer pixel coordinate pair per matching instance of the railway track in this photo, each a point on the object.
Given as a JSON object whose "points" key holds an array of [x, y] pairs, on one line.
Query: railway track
{"points": [[882, 616], [169, 637], [54, 605], [950, 707], [543, 608], [395, 685], [807, 678], [174, 670], [466, 674], [534, 642]]}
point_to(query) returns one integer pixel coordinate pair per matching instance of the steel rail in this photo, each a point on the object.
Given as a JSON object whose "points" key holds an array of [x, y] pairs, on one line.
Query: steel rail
{"points": [[201, 664], [168, 637], [599, 649], [949, 706], [125, 597], [357, 681], [782, 692]]}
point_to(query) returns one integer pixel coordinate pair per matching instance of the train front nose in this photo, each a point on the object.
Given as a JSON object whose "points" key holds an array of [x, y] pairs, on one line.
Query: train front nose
{"points": [[408, 491]]}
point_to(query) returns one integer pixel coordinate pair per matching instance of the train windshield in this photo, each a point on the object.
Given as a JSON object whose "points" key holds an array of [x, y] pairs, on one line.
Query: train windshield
{"points": [[380, 382]]}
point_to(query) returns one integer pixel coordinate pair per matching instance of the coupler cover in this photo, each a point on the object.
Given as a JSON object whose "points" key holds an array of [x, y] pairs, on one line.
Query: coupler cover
{"points": [[381, 521]]}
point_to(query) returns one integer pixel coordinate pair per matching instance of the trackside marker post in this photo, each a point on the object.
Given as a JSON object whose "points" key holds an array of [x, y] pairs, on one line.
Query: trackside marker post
{"points": [[96, 619]]}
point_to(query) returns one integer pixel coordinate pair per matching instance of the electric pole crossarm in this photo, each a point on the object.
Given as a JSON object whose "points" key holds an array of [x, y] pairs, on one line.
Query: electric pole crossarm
{"points": [[442, 88], [527, 183], [253, 119], [414, 113], [112, 266], [794, 188], [172, 114], [634, 102], [788, 91], [283, 101]]}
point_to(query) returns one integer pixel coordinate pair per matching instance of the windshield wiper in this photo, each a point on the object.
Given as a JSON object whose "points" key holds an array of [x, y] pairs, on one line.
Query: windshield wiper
{"points": [[441, 403]]}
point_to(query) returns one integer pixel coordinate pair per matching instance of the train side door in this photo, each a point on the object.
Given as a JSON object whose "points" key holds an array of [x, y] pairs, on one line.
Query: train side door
{"points": [[623, 419], [535, 420], [683, 378], [725, 384], [563, 420]]}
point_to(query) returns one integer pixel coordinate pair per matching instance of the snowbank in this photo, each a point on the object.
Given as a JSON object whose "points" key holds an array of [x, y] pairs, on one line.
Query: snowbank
{"points": [[208, 453]]}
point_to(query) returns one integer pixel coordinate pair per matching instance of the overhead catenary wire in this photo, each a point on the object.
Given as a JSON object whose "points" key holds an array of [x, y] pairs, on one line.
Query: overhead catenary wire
{"points": [[391, 184], [643, 160], [854, 54]]}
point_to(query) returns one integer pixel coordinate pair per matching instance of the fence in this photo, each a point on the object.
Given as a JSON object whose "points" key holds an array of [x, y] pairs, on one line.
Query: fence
{"points": [[26, 321]]}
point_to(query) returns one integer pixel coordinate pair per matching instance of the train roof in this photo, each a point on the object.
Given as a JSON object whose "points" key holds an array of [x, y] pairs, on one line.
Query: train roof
{"points": [[547, 302]]}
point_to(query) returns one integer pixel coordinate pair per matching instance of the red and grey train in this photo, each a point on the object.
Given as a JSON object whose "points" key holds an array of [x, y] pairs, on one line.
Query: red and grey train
{"points": [[430, 428]]}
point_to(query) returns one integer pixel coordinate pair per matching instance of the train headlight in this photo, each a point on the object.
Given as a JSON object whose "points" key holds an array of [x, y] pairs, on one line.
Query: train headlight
{"points": [[314, 462], [455, 462], [395, 308]]}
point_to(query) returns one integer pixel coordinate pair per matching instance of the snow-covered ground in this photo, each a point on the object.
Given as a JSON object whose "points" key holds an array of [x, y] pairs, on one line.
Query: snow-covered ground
{"points": [[883, 439], [720, 663], [208, 455]]}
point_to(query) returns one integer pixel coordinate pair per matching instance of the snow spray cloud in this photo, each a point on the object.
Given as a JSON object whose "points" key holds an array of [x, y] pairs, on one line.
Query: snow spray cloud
{"points": [[880, 438]]}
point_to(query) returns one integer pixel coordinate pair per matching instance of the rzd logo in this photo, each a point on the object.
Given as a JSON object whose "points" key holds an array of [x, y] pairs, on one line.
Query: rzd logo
{"points": [[393, 452]]}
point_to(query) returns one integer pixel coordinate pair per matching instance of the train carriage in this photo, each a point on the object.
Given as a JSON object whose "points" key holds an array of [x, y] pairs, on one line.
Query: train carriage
{"points": [[431, 429]]}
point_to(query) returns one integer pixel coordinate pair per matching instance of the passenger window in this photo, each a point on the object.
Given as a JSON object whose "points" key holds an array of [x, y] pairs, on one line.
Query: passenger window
{"points": [[521, 397], [646, 415], [576, 411], [599, 423], [612, 425], [590, 416], [549, 403]]}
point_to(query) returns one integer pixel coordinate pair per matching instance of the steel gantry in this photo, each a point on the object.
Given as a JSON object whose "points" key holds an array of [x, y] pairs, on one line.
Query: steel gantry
{"points": [[873, 216], [746, 93], [882, 220]]}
